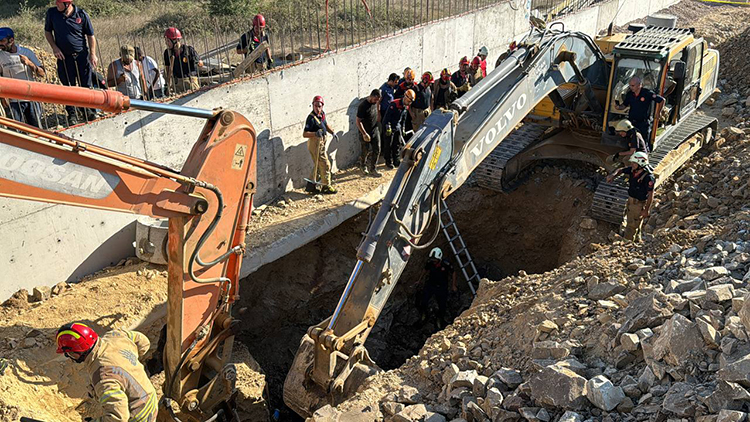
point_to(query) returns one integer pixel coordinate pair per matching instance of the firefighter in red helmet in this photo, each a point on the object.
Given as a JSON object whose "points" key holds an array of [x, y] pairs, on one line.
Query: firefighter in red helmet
{"points": [[443, 91], [119, 379], [460, 78], [251, 40], [316, 132], [182, 63]]}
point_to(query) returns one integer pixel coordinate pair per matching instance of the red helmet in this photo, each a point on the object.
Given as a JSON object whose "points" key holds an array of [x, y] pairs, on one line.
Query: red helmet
{"points": [[476, 61], [427, 78], [173, 33], [259, 20], [464, 60], [75, 337], [318, 99], [445, 75]]}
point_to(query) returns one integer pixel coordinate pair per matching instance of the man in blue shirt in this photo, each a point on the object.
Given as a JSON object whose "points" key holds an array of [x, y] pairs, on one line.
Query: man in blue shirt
{"points": [[639, 99], [394, 122], [387, 92], [69, 32]]}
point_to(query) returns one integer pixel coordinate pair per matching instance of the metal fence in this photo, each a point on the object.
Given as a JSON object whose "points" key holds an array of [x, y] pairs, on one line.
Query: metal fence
{"points": [[299, 30]]}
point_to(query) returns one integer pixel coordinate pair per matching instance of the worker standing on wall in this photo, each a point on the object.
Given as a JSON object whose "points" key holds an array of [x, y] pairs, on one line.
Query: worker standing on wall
{"points": [[421, 107], [369, 133], [438, 275], [641, 183], [316, 129], [250, 40], [394, 122], [119, 379]]}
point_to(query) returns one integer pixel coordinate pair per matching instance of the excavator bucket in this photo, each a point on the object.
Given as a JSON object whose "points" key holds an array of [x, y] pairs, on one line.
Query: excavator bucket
{"points": [[304, 396]]}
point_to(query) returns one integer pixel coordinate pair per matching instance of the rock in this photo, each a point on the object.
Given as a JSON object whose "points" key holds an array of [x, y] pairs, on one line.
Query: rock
{"points": [[493, 402], [713, 202], [391, 408], [326, 414], [646, 312], [558, 387], [605, 290], [547, 326], [603, 394], [472, 411], [630, 342], [647, 379], [731, 416], [588, 223], [720, 292], [626, 406], [727, 111], [549, 350], [449, 373], [726, 395], [41, 293], [29, 342], [680, 341], [744, 313], [643, 270], [445, 345], [737, 371], [713, 273], [509, 377], [679, 400], [413, 413], [480, 386], [570, 417], [58, 288], [433, 417], [408, 395], [464, 379], [709, 333]]}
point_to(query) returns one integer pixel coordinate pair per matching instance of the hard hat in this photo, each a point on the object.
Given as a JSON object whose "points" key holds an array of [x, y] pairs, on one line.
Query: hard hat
{"points": [[259, 20], [173, 33], [623, 126], [410, 94], [640, 158], [483, 51], [318, 99], [410, 75], [436, 253], [427, 78], [6, 33], [476, 61], [445, 75], [464, 60], [76, 338]]}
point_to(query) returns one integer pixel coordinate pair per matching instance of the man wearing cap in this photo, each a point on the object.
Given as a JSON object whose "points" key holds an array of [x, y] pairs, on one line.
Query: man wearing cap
{"points": [[182, 63], [250, 40], [316, 129], [152, 75], [69, 32], [483, 53], [18, 62], [635, 141], [641, 183], [125, 74], [369, 133]]}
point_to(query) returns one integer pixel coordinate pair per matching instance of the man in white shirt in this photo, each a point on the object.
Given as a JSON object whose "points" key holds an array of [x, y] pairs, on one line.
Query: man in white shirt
{"points": [[19, 62], [154, 79]]}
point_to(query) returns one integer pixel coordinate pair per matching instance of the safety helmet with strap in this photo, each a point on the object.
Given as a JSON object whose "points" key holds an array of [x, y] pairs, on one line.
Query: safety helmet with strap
{"points": [[464, 60], [259, 21], [483, 51], [476, 61], [427, 78], [624, 126], [318, 99], [640, 158], [76, 338], [436, 253], [410, 95], [173, 33]]}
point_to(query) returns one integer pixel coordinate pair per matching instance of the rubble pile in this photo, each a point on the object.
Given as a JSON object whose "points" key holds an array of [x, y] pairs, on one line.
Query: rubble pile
{"points": [[657, 331]]}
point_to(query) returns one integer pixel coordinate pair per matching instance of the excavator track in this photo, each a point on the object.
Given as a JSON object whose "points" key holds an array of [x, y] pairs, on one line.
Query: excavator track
{"points": [[610, 198], [489, 174]]}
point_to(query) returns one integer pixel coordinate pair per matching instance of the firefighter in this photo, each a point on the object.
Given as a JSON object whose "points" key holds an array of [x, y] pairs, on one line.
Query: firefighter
{"points": [[483, 53], [406, 84], [437, 273], [316, 129], [394, 122], [641, 183], [639, 99], [182, 63], [250, 40], [460, 78], [119, 379], [369, 133], [475, 71], [422, 103], [635, 141], [443, 91]]}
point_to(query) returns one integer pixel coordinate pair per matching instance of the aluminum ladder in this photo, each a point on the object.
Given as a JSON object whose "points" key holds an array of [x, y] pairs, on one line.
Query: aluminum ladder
{"points": [[458, 246]]}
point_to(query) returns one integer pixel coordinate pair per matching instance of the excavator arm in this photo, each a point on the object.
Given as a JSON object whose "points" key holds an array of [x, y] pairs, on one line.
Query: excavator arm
{"points": [[208, 204], [332, 361]]}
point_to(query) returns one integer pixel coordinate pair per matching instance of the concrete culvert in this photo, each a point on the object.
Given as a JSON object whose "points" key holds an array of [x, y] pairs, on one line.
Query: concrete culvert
{"points": [[535, 228]]}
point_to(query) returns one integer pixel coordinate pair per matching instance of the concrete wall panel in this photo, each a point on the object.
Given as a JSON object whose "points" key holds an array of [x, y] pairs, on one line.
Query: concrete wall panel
{"points": [[606, 14], [495, 28]]}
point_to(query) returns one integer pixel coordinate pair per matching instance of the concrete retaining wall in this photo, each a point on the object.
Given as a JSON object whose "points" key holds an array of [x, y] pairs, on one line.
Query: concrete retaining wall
{"points": [[44, 244]]}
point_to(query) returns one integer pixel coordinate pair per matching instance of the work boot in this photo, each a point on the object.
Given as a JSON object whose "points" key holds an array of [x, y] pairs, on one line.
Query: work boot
{"points": [[312, 188], [328, 189], [396, 163], [388, 165], [374, 172]]}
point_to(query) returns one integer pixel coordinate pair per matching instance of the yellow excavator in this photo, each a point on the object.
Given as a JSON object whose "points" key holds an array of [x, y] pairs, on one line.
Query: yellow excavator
{"points": [[551, 97]]}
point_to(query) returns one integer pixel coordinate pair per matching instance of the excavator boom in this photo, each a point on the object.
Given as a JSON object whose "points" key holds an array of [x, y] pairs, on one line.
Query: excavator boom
{"points": [[208, 203], [332, 360]]}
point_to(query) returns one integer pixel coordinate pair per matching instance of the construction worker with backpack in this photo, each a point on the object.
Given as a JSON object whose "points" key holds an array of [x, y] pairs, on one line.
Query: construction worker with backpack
{"points": [[316, 130], [641, 182], [113, 363]]}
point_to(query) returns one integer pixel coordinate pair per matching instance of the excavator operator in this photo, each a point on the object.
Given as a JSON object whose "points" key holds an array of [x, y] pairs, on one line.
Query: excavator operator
{"points": [[120, 382]]}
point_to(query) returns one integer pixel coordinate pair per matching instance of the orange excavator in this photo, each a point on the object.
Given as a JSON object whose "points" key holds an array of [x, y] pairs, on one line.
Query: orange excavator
{"points": [[208, 204]]}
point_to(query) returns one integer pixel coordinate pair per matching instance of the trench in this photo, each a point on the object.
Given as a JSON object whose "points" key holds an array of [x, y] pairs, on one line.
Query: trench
{"points": [[534, 228]]}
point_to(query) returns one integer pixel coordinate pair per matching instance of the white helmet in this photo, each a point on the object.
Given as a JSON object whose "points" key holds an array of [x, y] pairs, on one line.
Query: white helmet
{"points": [[624, 126], [640, 158], [436, 253], [483, 51]]}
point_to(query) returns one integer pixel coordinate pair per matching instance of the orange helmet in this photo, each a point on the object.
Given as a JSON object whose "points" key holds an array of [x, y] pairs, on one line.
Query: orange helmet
{"points": [[445, 75], [427, 78], [410, 95], [76, 338], [173, 33], [410, 75], [464, 60], [318, 99]]}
